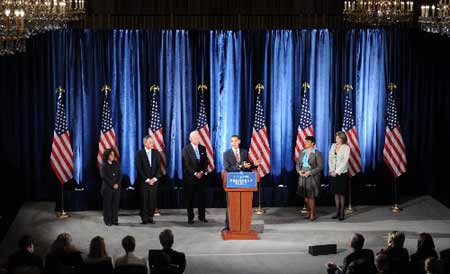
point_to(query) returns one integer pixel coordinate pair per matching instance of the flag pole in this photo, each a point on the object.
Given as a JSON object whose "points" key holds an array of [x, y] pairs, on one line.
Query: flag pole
{"points": [[260, 210], [349, 209], [62, 214], [154, 88], [304, 210], [395, 208]]}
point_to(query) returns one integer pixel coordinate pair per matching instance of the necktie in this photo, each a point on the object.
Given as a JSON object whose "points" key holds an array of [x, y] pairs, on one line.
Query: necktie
{"points": [[149, 157], [238, 157], [197, 153]]}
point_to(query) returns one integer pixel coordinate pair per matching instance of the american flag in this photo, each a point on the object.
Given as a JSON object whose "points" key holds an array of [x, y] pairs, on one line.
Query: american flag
{"points": [[203, 131], [61, 157], [305, 126], [394, 152], [107, 134], [349, 127], [156, 130], [259, 144]]}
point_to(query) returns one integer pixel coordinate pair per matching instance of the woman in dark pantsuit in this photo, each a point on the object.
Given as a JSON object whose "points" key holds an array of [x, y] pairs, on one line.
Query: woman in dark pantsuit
{"points": [[110, 190], [338, 162], [309, 168]]}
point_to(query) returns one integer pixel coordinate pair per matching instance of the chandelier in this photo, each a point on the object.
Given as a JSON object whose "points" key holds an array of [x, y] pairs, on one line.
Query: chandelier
{"points": [[378, 12], [20, 19], [436, 18]]}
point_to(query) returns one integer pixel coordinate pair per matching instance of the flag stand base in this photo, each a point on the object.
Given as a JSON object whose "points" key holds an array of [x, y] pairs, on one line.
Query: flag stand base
{"points": [[260, 210], [304, 210], [349, 209], [396, 209], [62, 215]]}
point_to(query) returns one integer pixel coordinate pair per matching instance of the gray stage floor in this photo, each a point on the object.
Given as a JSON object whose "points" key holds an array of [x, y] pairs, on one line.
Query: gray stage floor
{"points": [[282, 248]]}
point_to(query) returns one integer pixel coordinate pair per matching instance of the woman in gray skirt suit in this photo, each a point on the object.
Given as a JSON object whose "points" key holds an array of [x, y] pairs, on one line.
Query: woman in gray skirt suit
{"points": [[309, 169]]}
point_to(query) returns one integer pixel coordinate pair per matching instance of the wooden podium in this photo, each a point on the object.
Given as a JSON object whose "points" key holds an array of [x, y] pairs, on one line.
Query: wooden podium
{"points": [[239, 212]]}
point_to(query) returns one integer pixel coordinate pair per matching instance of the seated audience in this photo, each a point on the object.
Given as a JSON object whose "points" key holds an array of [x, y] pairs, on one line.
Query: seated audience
{"points": [[129, 244], [425, 249], [24, 260], [365, 257], [397, 255], [63, 257], [166, 260], [98, 261], [382, 263], [433, 266]]}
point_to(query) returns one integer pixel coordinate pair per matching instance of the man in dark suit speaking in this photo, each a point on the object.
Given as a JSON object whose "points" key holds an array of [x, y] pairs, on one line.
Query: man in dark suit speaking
{"points": [[148, 165], [195, 164], [236, 159]]}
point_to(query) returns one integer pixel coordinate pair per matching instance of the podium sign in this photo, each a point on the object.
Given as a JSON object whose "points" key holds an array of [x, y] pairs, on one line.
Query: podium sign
{"points": [[241, 180]]}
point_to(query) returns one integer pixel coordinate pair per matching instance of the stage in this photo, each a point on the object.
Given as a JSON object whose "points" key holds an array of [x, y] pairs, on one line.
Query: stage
{"points": [[282, 248]]}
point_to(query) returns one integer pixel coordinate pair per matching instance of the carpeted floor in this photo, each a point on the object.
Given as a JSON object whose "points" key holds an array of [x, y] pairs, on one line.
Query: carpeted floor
{"points": [[282, 248]]}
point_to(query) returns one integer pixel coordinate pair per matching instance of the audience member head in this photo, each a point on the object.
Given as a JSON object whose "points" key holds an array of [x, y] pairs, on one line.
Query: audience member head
{"points": [[26, 243], [166, 238], [357, 241], [382, 262], [396, 239], [425, 242], [431, 265], [97, 249], [63, 244], [128, 244]]}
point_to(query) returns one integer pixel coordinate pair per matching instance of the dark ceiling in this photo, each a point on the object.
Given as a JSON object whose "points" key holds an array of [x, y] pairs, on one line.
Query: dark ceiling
{"points": [[217, 14], [208, 14]]}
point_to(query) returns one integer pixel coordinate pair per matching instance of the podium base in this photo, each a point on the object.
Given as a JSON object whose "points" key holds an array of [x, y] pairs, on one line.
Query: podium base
{"points": [[228, 235]]}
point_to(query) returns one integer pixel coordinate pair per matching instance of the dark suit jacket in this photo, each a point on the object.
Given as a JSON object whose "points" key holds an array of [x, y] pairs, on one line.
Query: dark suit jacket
{"points": [[69, 262], [166, 261], [144, 170], [24, 258], [229, 160], [110, 174], [398, 260], [363, 254], [192, 165], [98, 266], [418, 260]]}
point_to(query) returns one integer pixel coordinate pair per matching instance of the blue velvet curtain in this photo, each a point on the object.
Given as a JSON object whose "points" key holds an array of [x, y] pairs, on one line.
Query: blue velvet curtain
{"points": [[231, 63]]}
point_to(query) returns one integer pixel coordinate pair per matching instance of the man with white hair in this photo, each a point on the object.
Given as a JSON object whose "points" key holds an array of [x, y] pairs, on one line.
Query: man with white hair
{"points": [[195, 164]]}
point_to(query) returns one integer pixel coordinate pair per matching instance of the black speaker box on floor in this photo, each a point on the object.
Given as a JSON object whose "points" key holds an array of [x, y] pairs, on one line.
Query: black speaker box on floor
{"points": [[322, 249]]}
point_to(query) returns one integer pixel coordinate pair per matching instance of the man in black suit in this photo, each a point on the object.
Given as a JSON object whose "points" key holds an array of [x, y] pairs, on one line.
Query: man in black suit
{"points": [[362, 259], [195, 164], [148, 165], [24, 258], [236, 159], [166, 260]]}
